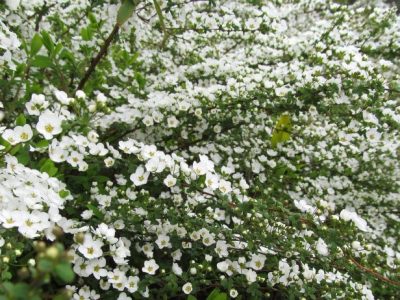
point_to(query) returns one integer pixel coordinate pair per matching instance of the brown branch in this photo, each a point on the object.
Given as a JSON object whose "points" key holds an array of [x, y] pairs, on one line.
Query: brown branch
{"points": [[41, 14], [98, 57], [373, 273]]}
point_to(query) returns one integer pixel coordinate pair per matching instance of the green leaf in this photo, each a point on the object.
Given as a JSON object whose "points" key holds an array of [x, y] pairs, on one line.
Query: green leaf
{"points": [[42, 144], [58, 48], [86, 34], [23, 156], [281, 132], [95, 210], [15, 149], [20, 120], [47, 41], [49, 167], [140, 80], [64, 193], [36, 44], [18, 291], [45, 265], [5, 275], [217, 295], [92, 18], [190, 297], [41, 61], [64, 271], [66, 54], [125, 11]]}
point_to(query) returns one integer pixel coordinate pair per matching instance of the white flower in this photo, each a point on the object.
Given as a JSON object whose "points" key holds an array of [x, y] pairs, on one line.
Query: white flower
{"points": [[91, 248], [19, 134], [49, 125], [97, 265], [36, 104], [148, 121], [80, 94], [352, 216], [187, 288], [373, 135], [104, 231], [163, 241], [225, 186], [75, 158], [23, 133], [304, 206], [322, 248], [212, 181], [203, 166], [132, 284], [221, 248], [370, 118], [123, 296], [150, 267], [170, 181], [208, 239], [155, 165], [176, 269], [109, 162], [62, 97], [101, 98], [140, 176], [233, 293], [257, 261], [13, 4], [172, 122], [251, 276], [87, 214], [10, 136], [223, 266]]}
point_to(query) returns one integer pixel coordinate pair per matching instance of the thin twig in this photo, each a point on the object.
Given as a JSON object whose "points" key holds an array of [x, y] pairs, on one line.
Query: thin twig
{"points": [[373, 273], [98, 57]]}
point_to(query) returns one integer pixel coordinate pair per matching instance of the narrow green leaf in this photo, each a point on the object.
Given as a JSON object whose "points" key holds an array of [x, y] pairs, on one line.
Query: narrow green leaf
{"points": [[58, 48], [96, 211], [41, 61], [140, 80], [85, 34], [125, 11], [66, 54], [36, 44], [47, 41]]}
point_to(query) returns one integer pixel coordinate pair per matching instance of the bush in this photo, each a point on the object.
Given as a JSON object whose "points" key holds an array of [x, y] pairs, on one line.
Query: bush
{"points": [[199, 150]]}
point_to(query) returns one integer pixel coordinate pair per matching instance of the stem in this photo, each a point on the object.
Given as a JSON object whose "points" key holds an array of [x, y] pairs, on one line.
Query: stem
{"points": [[373, 273], [161, 18], [98, 57]]}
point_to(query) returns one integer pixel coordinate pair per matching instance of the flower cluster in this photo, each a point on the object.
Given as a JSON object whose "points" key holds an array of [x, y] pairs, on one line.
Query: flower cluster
{"points": [[200, 149]]}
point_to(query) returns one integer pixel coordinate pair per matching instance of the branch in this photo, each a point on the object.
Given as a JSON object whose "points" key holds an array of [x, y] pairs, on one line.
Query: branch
{"points": [[99, 56], [161, 18], [373, 273], [41, 14]]}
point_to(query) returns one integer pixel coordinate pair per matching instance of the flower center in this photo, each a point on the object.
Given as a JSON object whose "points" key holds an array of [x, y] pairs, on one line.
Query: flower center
{"points": [[49, 128]]}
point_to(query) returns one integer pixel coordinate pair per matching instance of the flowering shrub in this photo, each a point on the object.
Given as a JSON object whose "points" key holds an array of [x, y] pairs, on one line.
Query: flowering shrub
{"points": [[199, 149]]}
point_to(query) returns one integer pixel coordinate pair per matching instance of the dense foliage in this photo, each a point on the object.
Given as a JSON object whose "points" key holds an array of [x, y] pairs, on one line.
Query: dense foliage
{"points": [[199, 148]]}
